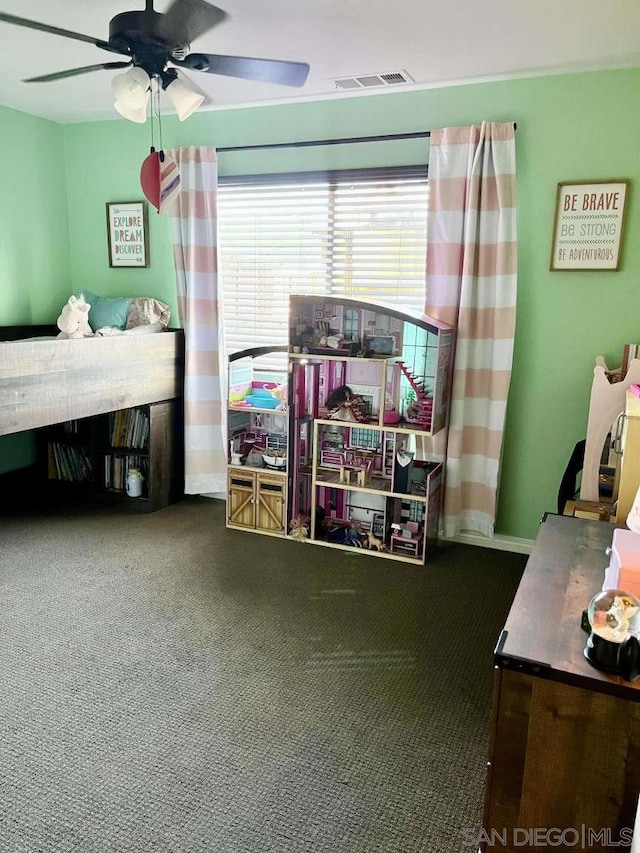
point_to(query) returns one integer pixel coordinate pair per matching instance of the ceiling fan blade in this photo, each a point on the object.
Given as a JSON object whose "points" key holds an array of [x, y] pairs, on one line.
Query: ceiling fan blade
{"points": [[268, 70], [46, 28], [59, 75], [186, 20]]}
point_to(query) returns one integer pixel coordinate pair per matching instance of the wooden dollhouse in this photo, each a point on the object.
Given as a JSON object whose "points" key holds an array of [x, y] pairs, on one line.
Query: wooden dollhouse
{"points": [[334, 448]]}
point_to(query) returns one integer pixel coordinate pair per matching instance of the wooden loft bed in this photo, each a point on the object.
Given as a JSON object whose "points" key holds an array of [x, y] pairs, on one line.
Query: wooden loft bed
{"points": [[47, 381]]}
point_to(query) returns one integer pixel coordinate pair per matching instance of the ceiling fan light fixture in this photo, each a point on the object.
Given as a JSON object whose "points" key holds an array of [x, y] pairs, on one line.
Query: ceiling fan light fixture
{"points": [[131, 89], [137, 114], [152, 42], [185, 100]]}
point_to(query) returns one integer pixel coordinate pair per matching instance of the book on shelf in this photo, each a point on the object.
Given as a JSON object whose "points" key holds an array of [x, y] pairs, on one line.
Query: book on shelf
{"points": [[68, 463], [128, 428], [51, 462]]}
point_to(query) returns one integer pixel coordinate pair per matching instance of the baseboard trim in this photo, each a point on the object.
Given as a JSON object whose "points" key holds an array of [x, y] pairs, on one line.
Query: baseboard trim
{"points": [[498, 543]]}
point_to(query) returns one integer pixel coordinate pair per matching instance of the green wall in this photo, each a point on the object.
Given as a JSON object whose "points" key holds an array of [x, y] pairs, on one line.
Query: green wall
{"points": [[570, 127], [34, 237], [103, 164]]}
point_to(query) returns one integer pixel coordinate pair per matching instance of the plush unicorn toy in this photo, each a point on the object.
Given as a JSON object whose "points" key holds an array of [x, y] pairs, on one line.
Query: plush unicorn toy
{"points": [[73, 321]]}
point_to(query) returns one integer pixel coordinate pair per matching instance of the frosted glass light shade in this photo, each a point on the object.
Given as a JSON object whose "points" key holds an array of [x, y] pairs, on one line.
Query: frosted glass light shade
{"points": [[184, 99], [131, 89], [138, 115]]}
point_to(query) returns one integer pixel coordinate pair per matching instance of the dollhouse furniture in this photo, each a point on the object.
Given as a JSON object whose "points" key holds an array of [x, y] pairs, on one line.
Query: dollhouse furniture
{"points": [[406, 540], [350, 462], [351, 404], [341, 461]]}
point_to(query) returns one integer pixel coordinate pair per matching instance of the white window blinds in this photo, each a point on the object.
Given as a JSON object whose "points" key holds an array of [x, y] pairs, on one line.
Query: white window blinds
{"points": [[360, 234]]}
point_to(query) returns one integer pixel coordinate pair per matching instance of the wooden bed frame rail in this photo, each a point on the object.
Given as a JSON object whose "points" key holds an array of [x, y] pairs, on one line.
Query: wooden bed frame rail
{"points": [[46, 382]]}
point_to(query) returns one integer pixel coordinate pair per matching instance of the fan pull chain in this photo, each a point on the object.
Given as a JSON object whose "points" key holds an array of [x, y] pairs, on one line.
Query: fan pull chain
{"points": [[156, 110], [156, 107], [153, 147], [155, 116]]}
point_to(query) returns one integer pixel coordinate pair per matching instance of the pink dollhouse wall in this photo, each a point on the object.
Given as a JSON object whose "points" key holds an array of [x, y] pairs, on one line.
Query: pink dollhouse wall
{"points": [[351, 506], [324, 500], [363, 373], [333, 374]]}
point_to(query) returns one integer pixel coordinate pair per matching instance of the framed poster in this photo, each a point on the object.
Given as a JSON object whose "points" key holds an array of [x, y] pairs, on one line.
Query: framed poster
{"points": [[127, 233], [588, 225]]}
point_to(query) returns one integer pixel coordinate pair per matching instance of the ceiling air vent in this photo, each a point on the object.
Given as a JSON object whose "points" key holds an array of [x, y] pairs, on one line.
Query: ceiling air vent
{"points": [[367, 81]]}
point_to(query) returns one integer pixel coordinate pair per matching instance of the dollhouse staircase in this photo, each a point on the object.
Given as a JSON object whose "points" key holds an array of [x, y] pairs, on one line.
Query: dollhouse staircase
{"points": [[423, 407]]}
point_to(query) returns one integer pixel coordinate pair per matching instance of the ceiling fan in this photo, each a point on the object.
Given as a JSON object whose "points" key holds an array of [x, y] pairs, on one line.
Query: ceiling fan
{"points": [[159, 43]]}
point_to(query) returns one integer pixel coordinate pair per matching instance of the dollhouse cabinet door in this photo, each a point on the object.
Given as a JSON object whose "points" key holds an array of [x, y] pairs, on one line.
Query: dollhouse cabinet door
{"points": [[270, 504], [241, 506]]}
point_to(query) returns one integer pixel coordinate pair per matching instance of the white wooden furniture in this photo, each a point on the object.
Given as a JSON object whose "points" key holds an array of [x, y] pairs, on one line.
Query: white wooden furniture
{"points": [[606, 404], [629, 467]]}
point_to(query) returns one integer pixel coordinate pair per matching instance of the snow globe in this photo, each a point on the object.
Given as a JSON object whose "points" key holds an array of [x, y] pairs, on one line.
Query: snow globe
{"points": [[613, 646]]}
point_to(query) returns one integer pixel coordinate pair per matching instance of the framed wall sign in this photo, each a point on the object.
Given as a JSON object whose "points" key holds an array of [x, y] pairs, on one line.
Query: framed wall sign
{"points": [[588, 225], [127, 230]]}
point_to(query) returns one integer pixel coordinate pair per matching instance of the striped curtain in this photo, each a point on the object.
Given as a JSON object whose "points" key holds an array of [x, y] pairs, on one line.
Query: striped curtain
{"points": [[194, 232], [472, 283]]}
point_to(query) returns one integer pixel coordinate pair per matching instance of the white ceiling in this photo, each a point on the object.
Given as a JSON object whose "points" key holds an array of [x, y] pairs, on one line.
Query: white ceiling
{"points": [[437, 43]]}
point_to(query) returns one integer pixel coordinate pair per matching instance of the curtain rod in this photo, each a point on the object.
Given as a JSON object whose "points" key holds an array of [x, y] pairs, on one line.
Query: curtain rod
{"points": [[313, 142], [424, 134]]}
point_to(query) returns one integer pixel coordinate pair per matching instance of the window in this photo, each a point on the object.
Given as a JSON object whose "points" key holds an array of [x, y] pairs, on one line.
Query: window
{"points": [[412, 511], [365, 438], [351, 324], [359, 234]]}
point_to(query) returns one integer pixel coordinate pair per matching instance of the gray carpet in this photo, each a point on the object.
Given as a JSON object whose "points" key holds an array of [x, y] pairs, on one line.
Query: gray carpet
{"points": [[169, 686]]}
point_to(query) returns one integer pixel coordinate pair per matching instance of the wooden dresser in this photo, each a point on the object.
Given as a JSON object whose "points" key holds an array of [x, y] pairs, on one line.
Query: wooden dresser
{"points": [[565, 747]]}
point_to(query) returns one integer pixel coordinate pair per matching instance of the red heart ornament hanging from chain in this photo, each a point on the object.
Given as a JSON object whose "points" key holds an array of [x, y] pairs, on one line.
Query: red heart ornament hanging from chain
{"points": [[160, 179]]}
